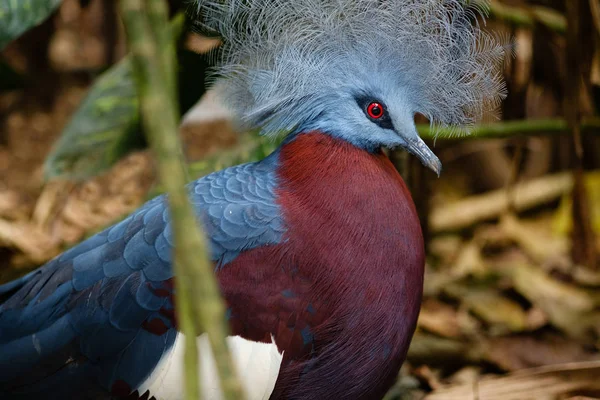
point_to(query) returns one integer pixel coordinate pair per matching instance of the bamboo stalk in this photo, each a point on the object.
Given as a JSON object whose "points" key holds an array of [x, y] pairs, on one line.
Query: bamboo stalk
{"points": [[198, 294], [158, 13], [595, 9], [583, 237]]}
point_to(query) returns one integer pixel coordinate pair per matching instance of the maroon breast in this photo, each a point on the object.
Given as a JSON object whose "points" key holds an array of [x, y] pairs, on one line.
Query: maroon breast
{"points": [[341, 293]]}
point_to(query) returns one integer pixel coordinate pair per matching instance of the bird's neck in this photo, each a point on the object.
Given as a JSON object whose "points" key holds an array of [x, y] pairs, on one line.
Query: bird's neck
{"points": [[357, 203], [355, 234]]}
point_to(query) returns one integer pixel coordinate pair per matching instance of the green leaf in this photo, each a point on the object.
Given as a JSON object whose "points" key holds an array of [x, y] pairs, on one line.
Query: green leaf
{"points": [[102, 130], [17, 16], [105, 127]]}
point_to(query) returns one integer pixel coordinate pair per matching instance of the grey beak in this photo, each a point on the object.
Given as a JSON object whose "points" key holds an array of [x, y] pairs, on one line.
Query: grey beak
{"points": [[417, 146]]}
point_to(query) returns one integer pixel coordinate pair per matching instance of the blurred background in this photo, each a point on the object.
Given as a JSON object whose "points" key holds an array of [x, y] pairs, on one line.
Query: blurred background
{"points": [[512, 226]]}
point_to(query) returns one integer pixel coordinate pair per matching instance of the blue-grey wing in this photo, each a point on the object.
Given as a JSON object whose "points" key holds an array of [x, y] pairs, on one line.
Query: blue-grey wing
{"points": [[100, 316], [239, 209]]}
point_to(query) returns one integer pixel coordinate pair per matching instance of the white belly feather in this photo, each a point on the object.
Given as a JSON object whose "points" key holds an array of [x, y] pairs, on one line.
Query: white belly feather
{"points": [[257, 366]]}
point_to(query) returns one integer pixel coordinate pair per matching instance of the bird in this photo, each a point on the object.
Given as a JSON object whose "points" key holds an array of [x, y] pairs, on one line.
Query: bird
{"points": [[317, 248]]}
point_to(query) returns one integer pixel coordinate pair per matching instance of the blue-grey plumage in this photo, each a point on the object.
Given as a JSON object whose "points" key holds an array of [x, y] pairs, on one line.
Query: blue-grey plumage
{"points": [[293, 66], [77, 323]]}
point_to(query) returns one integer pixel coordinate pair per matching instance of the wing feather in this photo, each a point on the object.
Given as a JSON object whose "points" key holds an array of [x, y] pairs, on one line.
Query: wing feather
{"points": [[103, 311]]}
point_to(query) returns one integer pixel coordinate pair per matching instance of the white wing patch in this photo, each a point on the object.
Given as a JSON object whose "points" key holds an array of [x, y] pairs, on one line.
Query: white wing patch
{"points": [[257, 365]]}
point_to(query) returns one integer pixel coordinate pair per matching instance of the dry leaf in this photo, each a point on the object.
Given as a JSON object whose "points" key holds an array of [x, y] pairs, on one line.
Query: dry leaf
{"points": [[500, 313], [535, 384], [529, 351], [439, 318], [567, 307]]}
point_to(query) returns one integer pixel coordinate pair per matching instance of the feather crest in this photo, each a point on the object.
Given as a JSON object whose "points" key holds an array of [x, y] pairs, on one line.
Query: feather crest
{"points": [[279, 55]]}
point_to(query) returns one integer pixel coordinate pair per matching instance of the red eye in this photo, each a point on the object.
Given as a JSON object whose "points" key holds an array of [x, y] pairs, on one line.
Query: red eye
{"points": [[375, 110]]}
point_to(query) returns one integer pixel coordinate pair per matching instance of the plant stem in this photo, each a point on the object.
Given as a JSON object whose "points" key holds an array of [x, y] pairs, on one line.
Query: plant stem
{"points": [[158, 14], [198, 294], [510, 129]]}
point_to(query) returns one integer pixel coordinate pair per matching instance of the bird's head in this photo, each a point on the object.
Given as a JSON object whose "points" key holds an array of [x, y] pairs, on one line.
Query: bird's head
{"points": [[359, 70], [371, 110]]}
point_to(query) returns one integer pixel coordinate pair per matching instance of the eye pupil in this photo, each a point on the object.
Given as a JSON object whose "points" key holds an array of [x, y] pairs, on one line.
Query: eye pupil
{"points": [[375, 110]]}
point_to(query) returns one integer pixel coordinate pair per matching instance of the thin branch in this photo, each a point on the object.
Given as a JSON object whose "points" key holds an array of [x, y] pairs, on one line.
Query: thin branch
{"points": [[510, 129], [198, 294]]}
